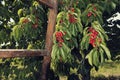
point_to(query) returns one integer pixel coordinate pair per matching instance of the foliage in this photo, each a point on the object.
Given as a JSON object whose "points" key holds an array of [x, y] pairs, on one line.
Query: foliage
{"points": [[79, 27], [22, 23], [20, 68], [22, 26], [79, 38]]}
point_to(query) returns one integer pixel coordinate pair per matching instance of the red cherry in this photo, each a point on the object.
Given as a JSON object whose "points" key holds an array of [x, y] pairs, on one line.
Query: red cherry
{"points": [[89, 14], [59, 38], [95, 8], [92, 42], [72, 18], [61, 21], [72, 9], [25, 20], [35, 25], [59, 34]]}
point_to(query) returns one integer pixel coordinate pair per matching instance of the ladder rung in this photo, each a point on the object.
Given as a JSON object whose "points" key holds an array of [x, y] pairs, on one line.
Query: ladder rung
{"points": [[10, 53]]}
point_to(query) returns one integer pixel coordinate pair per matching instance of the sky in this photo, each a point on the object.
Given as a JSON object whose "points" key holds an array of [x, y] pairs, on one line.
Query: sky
{"points": [[114, 19]]}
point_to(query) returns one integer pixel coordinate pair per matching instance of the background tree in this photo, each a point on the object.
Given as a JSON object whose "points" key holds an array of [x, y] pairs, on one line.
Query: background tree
{"points": [[22, 26]]}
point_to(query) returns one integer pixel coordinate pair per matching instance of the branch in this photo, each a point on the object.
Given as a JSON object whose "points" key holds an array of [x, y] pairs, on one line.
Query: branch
{"points": [[46, 2]]}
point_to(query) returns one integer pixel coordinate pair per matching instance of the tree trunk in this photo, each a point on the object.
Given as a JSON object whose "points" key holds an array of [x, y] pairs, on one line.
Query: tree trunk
{"points": [[86, 70]]}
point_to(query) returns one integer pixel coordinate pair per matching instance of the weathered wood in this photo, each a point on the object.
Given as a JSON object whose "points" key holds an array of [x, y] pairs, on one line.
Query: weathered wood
{"points": [[47, 3], [10, 53], [49, 37]]}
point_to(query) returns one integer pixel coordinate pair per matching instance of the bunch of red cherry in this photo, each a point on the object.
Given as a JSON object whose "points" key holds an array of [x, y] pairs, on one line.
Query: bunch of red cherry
{"points": [[59, 38], [72, 18], [93, 36], [90, 13]]}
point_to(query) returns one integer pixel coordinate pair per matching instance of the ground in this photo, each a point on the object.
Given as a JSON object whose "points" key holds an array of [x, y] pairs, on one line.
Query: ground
{"points": [[109, 71]]}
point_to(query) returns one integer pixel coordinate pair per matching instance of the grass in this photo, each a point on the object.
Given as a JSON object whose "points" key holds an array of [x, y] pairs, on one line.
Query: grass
{"points": [[108, 71]]}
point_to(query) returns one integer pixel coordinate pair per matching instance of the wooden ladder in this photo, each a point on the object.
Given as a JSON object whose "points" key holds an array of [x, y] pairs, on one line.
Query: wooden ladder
{"points": [[11, 53]]}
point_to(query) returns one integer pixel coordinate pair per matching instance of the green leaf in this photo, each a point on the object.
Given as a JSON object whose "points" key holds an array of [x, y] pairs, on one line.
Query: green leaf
{"points": [[113, 5], [85, 42], [35, 3], [55, 51], [79, 27], [75, 42], [78, 12], [101, 36], [20, 12], [54, 38], [97, 26], [30, 46], [32, 18], [17, 32], [66, 48], [76, 29], [21, 20], [73, 70], [61, 14], [106, 51], [67, 53], [90, 56], [85, 31], [100, 30], [101, 52], [63, 56], [73, 30], [68, 34], [89, 6], [96, 61]]}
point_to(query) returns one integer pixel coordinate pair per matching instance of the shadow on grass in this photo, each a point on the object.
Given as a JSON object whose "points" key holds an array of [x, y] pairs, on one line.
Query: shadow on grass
{"points": [[102, 77]]}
